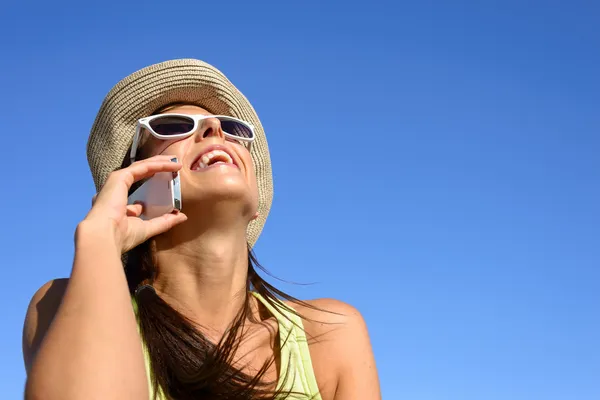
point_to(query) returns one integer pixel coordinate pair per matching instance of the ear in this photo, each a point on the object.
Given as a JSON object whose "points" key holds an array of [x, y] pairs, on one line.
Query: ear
{"points": [[255, 216]]}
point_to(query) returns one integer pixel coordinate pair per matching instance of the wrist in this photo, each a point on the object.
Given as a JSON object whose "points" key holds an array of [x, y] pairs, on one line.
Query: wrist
{"points": [[102, 233]]}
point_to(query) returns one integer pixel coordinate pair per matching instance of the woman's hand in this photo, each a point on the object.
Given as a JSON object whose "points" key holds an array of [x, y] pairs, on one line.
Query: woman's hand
{"points": [[82, 317], [110, 204]]}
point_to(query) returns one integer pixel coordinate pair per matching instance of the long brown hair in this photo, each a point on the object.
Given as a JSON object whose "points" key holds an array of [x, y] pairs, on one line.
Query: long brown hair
{"points": [[185, 364]]}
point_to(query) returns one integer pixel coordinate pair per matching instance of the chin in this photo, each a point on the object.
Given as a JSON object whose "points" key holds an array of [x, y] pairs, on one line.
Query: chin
{"points": [[236, 192]]}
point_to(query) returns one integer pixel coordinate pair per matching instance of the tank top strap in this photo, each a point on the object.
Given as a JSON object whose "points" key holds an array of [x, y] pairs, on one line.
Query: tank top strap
{"points": [[296, 373], [160, 395]]}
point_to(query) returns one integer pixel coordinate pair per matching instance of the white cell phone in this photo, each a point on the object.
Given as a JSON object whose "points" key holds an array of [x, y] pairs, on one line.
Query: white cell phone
{"points": [[160, 194]]}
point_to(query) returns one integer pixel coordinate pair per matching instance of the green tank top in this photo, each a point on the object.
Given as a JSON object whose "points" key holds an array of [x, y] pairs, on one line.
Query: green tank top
{"points": [[296, 373]]}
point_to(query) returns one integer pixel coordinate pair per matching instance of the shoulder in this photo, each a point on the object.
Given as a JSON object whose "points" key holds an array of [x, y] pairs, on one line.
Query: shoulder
{"points": [[40, 313], [339, 344], [326, 313], [330, 317]]}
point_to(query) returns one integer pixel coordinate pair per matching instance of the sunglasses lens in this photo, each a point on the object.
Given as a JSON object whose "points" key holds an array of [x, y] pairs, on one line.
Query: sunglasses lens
{"points": [[236, 129], [174, 125]]}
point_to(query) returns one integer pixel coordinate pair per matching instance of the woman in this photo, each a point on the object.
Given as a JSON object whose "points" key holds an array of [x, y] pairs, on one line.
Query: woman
{"points": [[203, 324]]}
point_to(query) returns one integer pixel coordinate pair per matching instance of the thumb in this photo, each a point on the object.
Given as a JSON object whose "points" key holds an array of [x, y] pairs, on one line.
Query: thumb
{"points": [[161, 224]]}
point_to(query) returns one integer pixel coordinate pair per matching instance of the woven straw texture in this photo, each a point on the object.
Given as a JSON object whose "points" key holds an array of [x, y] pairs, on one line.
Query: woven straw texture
{"points": [[176, 81]]}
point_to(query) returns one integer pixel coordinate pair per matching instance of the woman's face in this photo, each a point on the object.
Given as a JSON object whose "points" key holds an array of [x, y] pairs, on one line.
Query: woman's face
{"points": [[234, 181]]}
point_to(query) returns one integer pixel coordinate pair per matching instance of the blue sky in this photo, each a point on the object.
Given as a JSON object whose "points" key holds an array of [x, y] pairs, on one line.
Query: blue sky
{"points": [[436, 165]]}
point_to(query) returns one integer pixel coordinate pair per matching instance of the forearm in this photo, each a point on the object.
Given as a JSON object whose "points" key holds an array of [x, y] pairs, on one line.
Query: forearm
{"points": [[92, 349]]}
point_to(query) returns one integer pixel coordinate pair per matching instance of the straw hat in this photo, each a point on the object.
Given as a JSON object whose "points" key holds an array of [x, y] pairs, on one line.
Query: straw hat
{"points": [[176, 81]]}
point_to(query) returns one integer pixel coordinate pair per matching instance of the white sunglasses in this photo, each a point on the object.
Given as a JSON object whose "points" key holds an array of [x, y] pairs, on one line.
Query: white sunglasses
{"points": [[179, 126]]}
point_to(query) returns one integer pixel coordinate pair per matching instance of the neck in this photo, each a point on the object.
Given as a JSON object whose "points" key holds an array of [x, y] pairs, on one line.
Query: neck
{"points": [[203, 273]]}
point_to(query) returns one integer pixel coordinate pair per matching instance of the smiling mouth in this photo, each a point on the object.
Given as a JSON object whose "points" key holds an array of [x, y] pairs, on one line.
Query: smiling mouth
{"points": [[211, 158]]}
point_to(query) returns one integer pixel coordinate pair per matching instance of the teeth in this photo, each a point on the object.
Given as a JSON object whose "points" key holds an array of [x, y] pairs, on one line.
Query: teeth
{"points": [[205, 159]]}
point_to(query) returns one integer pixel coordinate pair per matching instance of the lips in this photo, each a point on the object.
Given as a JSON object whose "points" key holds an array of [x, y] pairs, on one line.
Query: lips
{"points": [[213, 155]]}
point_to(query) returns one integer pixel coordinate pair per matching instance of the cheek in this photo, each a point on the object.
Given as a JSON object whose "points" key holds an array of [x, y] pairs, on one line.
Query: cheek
{"points": [[177, 149]]}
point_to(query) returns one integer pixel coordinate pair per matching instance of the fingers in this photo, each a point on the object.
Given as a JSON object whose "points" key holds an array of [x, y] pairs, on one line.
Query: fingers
{"points": [[144, 169], [135, 210], [161, 224]]}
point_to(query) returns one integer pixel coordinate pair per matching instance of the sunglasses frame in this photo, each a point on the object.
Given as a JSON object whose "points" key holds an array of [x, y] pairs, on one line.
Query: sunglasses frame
{"points": [[145, 123]]}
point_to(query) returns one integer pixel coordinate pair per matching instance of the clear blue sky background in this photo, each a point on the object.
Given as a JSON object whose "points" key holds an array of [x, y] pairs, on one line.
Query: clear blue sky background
{"points": [[436, 165]]}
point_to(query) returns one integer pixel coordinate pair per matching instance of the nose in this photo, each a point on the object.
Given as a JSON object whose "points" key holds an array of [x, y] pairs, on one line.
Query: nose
{"points": [[208, 127]]}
